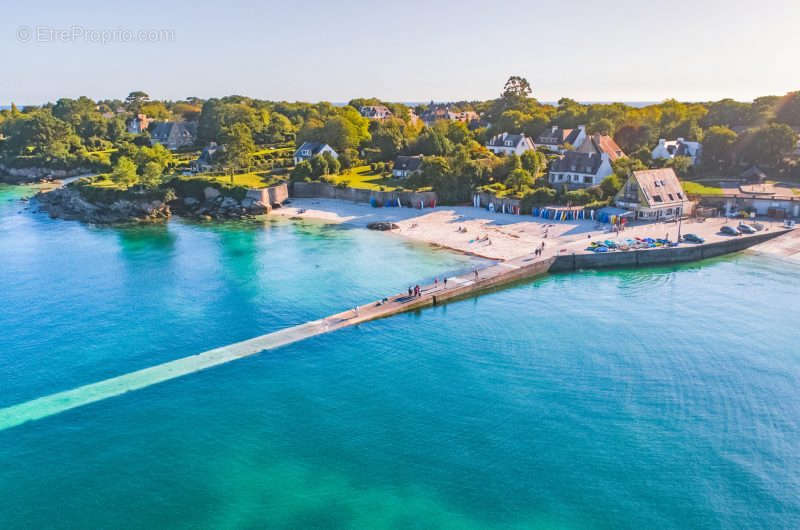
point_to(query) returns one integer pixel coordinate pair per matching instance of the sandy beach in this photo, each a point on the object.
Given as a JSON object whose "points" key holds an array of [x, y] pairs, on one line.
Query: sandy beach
{"points": [[491, 235]]}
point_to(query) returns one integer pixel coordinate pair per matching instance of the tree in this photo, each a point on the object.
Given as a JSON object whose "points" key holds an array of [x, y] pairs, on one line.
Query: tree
{"points": [[681, 165], [718, 146], [611, 185], [135, 100], [151, 174], [602, 126], [533, 162], [789, 109], [319, 166], [124, 172], [301, 171], [517, 88], [239, 144], [334, 166], [768, 145], [518, 180]]}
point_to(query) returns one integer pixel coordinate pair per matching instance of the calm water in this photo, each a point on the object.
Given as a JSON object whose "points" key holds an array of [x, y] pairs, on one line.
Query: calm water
{"points": [[660, 398]]}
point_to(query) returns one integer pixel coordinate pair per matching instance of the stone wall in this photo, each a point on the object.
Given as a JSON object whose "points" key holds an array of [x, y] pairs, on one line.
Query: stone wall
{"points": [[487, 198], [327, 191], [272, 196], [659, 256]]}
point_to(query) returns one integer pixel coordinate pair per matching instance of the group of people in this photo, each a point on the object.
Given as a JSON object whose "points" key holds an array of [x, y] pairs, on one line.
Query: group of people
{"points": [[415, 291], [538, 251]]}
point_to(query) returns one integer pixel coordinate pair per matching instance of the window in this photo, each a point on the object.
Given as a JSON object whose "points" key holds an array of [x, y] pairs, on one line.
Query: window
{"points": [[670, 197], [587, 180], [657, 198], [669, 211], [680, 196], [575, 178]]}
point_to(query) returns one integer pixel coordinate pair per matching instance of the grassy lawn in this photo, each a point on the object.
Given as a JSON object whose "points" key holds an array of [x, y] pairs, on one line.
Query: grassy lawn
{"points": [[103, 181], [696, 188], [272, 150], [362, 177], [248, 180]]}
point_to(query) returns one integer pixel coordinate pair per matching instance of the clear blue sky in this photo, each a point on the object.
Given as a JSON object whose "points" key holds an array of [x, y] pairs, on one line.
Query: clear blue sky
{"points": [[628, 50]]}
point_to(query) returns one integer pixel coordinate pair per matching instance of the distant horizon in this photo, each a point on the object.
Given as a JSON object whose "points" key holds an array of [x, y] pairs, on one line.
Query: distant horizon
{"points": [[631, 103]]}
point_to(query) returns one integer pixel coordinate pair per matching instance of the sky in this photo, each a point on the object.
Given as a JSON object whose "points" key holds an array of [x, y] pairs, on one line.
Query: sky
{"points": [[628, 50]]}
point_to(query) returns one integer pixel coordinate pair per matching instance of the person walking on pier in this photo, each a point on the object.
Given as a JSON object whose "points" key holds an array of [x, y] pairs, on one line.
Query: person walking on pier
{"points": [[476, 273], [445, 282], [409, 291]]}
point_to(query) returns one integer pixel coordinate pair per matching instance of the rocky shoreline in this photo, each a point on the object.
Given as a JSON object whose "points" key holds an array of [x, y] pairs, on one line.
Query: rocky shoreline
{"points": [[33, 175], [68, 203]]}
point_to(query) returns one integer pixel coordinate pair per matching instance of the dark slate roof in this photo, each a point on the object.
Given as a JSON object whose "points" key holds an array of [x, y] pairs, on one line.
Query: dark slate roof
{"points": [[315, 147], [162, 130], [499, 141], [409, 163], [754, 173], [575, 162]]}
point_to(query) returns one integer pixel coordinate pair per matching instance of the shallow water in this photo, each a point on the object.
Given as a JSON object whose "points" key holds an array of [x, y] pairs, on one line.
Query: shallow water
{"points": [[636, 398]]}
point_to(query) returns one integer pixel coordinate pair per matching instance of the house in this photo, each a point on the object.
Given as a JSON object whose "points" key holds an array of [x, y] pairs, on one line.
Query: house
{"points": [[508, 144], [580, 170], [599, 144], [753, 175], [376, 112], [443, 112], [138, 124], [466, 116], [667, 149], [434, 114], [309, 150], [174, 134], [205, 161], [405, 166], [653, 195], [555, 138]]}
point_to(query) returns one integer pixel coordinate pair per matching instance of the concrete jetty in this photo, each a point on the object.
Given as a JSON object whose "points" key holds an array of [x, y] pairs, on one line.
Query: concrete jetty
{"points": [[460, 286]]}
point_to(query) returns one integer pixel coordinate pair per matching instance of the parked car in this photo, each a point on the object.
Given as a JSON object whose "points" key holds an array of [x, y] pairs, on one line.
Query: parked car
{"points": [[692, 238], [746, 229], [730, 231]]}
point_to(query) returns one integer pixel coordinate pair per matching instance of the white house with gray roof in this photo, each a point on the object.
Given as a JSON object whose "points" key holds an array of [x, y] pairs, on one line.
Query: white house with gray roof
{"points": [[667, 149], [309, 150], [510, 144], [580, 170]]}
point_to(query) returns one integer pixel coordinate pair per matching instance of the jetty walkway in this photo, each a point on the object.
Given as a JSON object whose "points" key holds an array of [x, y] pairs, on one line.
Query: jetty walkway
{"points": [[458, 286]]}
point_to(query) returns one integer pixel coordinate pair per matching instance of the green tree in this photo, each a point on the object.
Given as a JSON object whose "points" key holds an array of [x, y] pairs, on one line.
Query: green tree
{"points": [[611, 185], [301, 171], [518, 180], [788, 111], [319, 166], [718, 146], [124, 172], [334, 166], [239, 144], [768, 145], [151, 174], [135, 100]]}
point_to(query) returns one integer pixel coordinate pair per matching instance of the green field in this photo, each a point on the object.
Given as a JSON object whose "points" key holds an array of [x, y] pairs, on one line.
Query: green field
{"points": [[696, 188], [362, 177]]}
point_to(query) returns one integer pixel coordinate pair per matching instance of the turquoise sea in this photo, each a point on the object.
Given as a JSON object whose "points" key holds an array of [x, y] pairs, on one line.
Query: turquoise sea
{"points": [[651, 398]]}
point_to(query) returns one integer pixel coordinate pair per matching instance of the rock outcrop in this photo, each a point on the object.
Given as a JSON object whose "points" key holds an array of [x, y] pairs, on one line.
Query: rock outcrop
{"points": [[68, 203], [382, 226], [37, 174]]}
